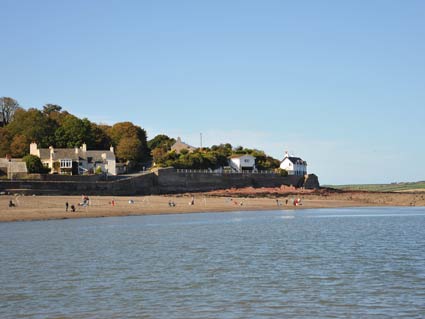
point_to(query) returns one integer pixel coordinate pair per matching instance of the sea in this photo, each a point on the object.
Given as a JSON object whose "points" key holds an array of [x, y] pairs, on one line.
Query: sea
{"points": [[313, 263]]}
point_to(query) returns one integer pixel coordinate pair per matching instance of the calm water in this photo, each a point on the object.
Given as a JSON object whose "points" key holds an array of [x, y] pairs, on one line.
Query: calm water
{"points": [[340, 263]]}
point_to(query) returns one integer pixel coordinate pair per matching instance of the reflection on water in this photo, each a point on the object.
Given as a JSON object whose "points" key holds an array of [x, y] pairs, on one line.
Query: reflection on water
{"points": [[356, 263]]}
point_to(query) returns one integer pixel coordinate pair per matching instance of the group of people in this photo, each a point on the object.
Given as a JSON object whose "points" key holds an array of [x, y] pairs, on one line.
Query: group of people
{"points": [[67, 207], [296, 202], [171, 203]]}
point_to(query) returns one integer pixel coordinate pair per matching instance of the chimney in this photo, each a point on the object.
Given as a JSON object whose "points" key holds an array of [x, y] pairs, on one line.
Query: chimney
{"points": [[76, 150], [84, 147], [52, 150], [111, 149], [34, 149]]}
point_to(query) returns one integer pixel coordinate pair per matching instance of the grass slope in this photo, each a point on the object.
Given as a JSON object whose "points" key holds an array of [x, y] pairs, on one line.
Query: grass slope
{"points": [[395, 187]]}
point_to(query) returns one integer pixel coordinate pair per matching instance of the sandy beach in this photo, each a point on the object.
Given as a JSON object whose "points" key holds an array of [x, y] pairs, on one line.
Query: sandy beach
{"points": [[53, 207]]}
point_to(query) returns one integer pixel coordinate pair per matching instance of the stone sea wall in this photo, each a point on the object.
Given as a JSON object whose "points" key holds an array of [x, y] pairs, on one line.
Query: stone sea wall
{"points": [[164, 181]]}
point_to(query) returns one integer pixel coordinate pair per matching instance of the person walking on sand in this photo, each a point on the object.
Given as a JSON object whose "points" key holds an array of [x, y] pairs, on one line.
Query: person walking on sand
{"points": [[66, 206]]}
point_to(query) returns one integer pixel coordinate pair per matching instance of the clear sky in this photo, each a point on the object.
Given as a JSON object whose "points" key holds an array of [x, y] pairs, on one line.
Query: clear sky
{"points": [[339, 83]]}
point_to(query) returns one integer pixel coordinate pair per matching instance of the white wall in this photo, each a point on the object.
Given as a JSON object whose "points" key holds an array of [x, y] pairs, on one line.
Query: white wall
{"points": [[245, 161], [293, 169]]}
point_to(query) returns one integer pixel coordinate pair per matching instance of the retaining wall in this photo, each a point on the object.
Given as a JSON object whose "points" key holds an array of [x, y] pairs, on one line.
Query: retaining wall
{"points": [[164, 181]]}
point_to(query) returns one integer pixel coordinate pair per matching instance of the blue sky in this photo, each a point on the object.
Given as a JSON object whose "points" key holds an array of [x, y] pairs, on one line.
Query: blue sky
{"points": [[339, 83]]}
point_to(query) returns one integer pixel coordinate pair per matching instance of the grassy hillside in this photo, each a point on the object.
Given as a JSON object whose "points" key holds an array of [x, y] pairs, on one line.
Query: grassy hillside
{"points": [[394, 187]]}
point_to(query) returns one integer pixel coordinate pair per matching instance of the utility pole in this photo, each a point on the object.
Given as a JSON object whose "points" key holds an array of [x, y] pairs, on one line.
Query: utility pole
{"points": [[201, 139]]}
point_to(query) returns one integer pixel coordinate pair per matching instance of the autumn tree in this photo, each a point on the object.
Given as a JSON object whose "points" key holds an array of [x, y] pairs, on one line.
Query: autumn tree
{"points": [[130, 133], [34, 126], [4, 141], [19, 146], [8, 107], [130, 149]]}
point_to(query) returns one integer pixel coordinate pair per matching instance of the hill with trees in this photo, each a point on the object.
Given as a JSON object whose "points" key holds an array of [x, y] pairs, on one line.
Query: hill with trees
{"points": [[204, 158], [53, 126]]}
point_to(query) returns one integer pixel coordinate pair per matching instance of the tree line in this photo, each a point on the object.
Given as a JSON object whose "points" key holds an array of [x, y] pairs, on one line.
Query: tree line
{"points": [[53, 126], [212, 157]]}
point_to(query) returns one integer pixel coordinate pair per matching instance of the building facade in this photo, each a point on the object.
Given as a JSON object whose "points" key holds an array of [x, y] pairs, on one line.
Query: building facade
{"points": [[76, 161], [294, 165], [242, 163]]}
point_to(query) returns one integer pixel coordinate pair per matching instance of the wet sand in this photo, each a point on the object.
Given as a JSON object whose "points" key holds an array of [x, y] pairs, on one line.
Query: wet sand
{"points": [[53, 207]]}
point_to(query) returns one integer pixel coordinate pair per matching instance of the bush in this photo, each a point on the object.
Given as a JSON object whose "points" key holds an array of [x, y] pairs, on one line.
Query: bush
{"points": [[282, 172], [34, 165]]}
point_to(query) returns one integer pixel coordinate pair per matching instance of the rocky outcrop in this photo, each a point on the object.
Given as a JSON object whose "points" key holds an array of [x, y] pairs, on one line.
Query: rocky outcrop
{"points": [[311, 181]]}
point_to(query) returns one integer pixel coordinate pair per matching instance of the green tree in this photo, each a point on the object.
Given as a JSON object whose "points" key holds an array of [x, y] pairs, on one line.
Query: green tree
{"points": [[49, 108], [161, 140], [73, 132], [100, 137], [34, 164]]}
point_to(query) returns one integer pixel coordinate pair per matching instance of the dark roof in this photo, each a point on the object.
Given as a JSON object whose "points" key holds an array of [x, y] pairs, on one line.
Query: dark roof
{"points": [[70, 153], [64, 153], [295, 160]]}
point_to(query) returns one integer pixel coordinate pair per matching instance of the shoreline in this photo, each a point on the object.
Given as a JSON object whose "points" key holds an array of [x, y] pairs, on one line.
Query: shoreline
{"points": [[37, 208]]}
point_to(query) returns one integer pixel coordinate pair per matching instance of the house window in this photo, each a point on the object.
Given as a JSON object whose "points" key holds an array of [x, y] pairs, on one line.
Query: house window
{"points": [[66, 163], [246, 160]]}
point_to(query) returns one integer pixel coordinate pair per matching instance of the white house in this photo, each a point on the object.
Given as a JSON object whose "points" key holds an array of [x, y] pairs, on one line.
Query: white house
{"points": [[294, 165], [76, 161], [242, 163]]}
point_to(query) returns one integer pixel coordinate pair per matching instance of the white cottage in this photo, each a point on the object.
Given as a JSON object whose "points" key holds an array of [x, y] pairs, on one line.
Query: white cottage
{"points": [[242, 163], [76, 161], [294, 165]]}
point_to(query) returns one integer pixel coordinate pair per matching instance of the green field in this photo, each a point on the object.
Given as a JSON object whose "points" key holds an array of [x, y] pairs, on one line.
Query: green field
{"points": [[394, 187]]}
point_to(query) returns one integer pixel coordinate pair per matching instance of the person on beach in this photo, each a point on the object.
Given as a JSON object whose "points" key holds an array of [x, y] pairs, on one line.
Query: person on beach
{"points": [[72, 208], [11, 204], [66, 206], [192, 201]]}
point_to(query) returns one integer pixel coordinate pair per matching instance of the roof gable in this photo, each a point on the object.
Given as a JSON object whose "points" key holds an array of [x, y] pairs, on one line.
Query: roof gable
{"points": [[295, 160]]}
